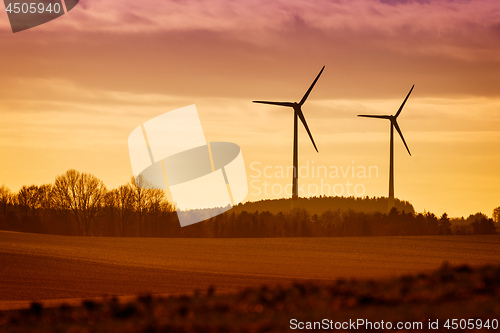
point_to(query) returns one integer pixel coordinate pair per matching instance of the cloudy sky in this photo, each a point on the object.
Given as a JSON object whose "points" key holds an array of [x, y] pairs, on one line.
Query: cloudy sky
{"points": [[73, 89]]}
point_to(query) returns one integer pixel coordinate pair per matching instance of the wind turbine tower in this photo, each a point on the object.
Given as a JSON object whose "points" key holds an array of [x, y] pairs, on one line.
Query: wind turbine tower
{"points": [[394, 124], [297, 114]]}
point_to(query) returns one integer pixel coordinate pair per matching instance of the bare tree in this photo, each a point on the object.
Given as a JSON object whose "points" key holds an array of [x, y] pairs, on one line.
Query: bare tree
{"points": [[148, 201], [28, 204], [82, 194], [45, 194], [496, 215], [6, 199], [121, 201], [157, 205], [29, 199], [139, 186]]}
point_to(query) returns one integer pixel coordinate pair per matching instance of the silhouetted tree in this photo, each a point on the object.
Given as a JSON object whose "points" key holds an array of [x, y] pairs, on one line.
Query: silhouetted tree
{"points": [[156, 205], [432, 224], [149, 203], [82, 194], [6, 200], [475, 217], [496, 215], [45, 196], [29, 199], [29, 203], [120, 203], [444, 225], [484, 226], [139, 187]]}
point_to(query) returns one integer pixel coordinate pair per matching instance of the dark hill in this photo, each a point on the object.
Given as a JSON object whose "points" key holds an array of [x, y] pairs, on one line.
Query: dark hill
{"points": [[319, 205]]}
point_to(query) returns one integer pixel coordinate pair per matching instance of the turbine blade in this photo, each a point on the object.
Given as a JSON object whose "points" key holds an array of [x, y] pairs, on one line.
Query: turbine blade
{"points": [[303, 119], [395, 123], [303, 100], [374, 116], [401, 107], [275, 103]]}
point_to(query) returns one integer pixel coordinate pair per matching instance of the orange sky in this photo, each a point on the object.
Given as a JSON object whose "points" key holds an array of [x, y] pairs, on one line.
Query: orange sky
{"points": [[73, 89]]}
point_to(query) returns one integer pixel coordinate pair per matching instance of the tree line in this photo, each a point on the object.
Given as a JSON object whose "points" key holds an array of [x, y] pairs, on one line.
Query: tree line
{"points": [[80, 204]]}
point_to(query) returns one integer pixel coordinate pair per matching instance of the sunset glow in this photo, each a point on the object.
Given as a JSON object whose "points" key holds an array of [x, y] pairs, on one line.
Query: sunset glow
{"points": [[73, 89]]}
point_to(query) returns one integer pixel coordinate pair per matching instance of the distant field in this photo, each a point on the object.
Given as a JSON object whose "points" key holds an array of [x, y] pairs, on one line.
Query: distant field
{"points": [[45, 267]]}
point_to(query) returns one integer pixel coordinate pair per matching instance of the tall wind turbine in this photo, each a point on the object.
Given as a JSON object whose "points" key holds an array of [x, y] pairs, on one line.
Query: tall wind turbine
{"points": [[297, 111], [394, 124]]}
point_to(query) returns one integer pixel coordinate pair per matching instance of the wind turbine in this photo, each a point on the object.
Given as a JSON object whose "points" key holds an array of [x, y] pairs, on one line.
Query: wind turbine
{"points": [[297, 111], [394, 124]]}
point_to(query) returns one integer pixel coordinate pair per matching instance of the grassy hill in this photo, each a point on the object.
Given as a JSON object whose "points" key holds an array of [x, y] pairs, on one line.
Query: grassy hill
{"points": [[319, 205]]}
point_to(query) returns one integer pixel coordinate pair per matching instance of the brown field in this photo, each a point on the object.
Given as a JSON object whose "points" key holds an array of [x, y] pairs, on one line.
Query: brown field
{"points": [[59, 269]]}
